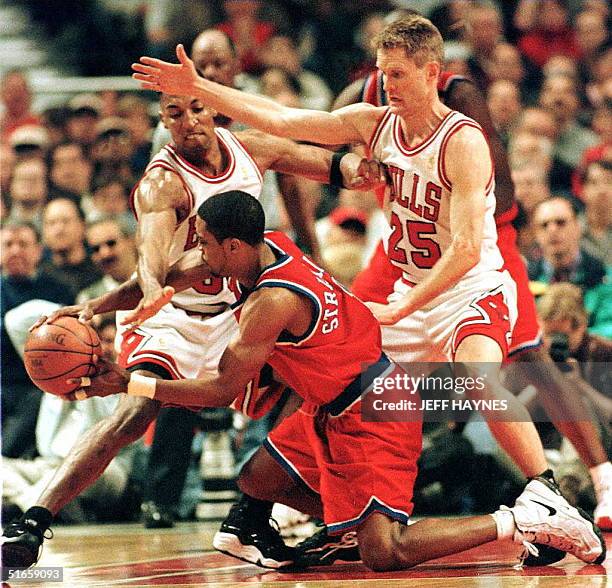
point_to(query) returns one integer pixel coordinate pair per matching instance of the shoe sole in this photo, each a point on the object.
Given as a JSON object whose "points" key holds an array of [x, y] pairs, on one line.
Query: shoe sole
{"points": [[600, 536], [230, 545]]}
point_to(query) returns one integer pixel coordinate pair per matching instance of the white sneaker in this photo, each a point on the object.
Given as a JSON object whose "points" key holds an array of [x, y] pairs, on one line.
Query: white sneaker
{"points": [[603, 510], [544, 517]]}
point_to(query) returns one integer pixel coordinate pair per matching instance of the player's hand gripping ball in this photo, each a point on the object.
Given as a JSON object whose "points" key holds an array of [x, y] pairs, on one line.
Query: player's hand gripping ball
{"points": [[58, 351]]}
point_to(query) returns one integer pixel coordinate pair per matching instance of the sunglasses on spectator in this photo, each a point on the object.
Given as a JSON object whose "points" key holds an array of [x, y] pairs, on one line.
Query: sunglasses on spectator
{"points": [[559, 222], [110, 243]]}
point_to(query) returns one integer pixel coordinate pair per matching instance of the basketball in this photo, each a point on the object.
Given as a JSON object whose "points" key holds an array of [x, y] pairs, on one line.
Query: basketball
{"points": [[59, 351]]}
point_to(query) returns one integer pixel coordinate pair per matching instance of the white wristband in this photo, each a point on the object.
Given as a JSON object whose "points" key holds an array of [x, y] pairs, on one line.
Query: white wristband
{"points": [[141, 386]]}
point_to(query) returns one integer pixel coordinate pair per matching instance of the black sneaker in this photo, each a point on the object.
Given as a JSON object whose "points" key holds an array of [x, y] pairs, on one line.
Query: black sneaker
{"points": [[21, 543], [258, 543], [322, 549], [155, 516]]}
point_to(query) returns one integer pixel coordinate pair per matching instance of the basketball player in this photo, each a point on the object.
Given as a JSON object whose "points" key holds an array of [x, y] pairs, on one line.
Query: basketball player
{"points": [[187, 336], [526, 357], [326, 345], [452, 301]]}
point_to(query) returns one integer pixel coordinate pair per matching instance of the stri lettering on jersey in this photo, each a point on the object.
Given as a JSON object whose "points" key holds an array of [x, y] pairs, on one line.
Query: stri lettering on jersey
{"points": [[342, 339], [419, 199], [241, 173]]}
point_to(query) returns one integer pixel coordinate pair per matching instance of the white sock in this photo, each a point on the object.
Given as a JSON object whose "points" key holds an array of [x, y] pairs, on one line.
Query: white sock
{"points": [[504, 519], [601, 476]]}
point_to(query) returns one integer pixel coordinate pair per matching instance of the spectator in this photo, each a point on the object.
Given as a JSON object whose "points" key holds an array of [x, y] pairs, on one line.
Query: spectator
{"points": [[282, 86], [546, 31], [8, 159], [558, 233], [112, 149], [369, 26], [135, 111], [70, 171], [507, 64], [559, 96], [504, 103], [16, 99], [29, 191], [562, 312], [63, 234], [22, 280], [597, 195], [112, 250], [247, 32], [538, 121], [591, 35], [527, 149], [58, 426], [85, 111], [55, 121], [30, 141], [602, 125], [484, 31], [110, 198], [280, 51]]}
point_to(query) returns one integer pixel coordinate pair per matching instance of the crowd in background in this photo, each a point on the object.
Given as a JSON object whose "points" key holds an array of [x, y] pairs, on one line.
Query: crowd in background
{"points": [[545, 67]]}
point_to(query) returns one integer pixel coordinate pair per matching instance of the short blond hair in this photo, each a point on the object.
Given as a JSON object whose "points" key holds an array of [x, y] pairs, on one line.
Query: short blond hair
{"points": [[563, 301], [417, 35]]}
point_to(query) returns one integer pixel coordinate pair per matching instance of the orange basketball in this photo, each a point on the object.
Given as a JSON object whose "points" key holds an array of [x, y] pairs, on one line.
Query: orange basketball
{"points": [[59, 351]]}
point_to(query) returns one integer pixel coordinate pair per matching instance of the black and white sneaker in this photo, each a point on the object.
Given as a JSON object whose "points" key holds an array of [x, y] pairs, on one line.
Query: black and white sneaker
{"points": [[21, 543], [549, 527], [256, 542], [322, 549]]}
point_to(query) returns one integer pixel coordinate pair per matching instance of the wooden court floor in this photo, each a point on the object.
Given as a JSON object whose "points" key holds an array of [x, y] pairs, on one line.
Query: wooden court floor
{"points": [[128, 555]]}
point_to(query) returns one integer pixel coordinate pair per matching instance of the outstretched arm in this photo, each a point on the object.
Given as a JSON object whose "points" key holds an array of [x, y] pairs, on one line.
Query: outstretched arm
{"points": [[239, 364], [256, 111]]}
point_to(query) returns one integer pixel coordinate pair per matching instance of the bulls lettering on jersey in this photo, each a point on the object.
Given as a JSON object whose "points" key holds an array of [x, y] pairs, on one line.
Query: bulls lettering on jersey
{"points": [[241, 173], [343, 337], [419, 199]]}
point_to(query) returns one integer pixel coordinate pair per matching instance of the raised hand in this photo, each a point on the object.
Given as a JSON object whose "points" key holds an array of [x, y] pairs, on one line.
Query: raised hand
{"points": [[84, 312], [171, 78], [148, 307]]}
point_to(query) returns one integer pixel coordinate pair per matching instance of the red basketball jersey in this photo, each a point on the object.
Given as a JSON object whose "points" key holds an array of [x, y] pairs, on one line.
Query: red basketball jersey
{"points": [[343, 337]]}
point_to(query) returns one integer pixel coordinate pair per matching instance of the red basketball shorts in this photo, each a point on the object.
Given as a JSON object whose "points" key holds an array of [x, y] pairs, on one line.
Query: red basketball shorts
{"points": [[357, 467]]}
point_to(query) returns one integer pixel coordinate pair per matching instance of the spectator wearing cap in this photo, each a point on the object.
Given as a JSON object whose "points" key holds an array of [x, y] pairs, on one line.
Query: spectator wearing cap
{"points": [[29, 191], [30, 141], [558, 233], [66, 257], [16, 98], [70, 171], [112, 149], [85, 111]]}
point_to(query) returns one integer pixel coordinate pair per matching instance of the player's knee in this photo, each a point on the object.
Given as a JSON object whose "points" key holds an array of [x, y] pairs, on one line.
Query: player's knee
{"points": [[377, 552], [131, 419], [385, 546]]}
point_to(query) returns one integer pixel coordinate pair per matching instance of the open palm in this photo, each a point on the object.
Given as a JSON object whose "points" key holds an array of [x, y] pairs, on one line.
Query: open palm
{"points": [[170, 78]]}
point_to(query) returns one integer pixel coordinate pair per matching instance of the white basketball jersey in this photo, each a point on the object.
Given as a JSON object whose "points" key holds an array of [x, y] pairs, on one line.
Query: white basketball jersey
{"points": [[418, 199], [241, 173]]}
